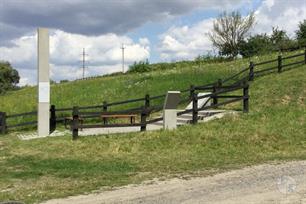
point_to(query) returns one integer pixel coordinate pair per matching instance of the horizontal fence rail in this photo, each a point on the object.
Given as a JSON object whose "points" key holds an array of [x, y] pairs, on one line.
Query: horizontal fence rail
{"points": [[21, 114], [265, 62]]}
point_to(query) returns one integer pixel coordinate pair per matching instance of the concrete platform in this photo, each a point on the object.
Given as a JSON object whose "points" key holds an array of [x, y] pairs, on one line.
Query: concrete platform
{"points": [[203, 116], [34, 135]]}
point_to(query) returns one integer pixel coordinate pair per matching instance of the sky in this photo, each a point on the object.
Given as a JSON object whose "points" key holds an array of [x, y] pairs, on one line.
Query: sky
{"points": [[157, 30]]}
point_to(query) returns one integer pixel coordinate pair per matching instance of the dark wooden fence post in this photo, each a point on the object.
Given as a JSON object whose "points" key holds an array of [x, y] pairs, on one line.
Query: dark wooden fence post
{"points": [[75, 123], [147, 100], [219, 82], [194, 108], [191, 91], [215, 100], [52, 118], [3, 122], [147, 104], [245, 97], [251, 73], [216, 87], [279, 59], [104, 110], [143, 120]]}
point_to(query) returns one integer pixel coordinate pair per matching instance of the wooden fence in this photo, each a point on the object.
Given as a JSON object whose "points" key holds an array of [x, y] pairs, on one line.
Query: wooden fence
{"points": [[238, 81]]}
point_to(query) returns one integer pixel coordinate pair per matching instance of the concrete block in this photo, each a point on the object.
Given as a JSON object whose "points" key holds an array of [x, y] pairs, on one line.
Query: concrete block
{"points": [[170, 110], [170, 119]]}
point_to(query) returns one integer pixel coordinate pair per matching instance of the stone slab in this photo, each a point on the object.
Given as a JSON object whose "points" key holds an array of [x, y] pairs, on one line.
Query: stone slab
{"points": [[201, 101]]}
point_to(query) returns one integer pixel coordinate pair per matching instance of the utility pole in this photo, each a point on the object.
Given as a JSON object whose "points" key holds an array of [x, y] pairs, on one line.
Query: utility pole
{"points": [[122, 47], [84, 62]]}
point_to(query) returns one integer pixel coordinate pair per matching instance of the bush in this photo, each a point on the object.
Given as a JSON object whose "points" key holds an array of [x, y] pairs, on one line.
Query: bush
{"points": [[64, 81], [261, 44], [142, 66], [255, 45], [209, 58]]}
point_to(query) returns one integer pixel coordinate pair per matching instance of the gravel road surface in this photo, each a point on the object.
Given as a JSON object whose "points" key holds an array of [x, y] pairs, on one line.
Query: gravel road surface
{"points": [[264, 184]]}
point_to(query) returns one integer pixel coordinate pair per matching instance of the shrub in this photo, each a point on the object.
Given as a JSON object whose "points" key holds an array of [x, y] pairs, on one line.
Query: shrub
{"points": [[64, 81], [209, 58], [142, 66], [258, 44]]}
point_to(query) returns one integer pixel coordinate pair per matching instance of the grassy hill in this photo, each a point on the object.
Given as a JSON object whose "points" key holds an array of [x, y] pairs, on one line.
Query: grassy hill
{"points": [[274, 130], [128, 86]]}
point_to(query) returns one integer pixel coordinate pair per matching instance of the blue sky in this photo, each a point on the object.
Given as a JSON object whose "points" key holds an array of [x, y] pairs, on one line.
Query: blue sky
{"points": [[158, 30], [152, 30]]}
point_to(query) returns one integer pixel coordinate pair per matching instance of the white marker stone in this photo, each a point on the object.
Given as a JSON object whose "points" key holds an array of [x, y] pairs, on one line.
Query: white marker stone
{"points": [[170, 109], [43, 83]]}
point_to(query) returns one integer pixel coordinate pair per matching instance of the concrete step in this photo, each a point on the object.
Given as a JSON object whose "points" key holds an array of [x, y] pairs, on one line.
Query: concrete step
{"points": [[160, 123], [203, 116], [183, 119]]}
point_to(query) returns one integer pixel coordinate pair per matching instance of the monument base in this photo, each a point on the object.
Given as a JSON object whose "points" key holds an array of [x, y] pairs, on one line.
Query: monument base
{"points": [[170, 119], [43, 120]]}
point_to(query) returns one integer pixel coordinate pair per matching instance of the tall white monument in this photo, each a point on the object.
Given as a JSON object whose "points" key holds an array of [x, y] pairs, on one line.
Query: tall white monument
{"points": [[43, 83]]}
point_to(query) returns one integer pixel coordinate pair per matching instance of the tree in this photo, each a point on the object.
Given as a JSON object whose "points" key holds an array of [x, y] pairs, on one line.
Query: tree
{"points": [[301, 33], [229, 30], [255, 45], [9, 77], [278, 36], [280, 39]]}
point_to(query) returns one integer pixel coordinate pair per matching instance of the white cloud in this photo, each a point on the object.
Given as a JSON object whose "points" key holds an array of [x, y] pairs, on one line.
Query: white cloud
{"points": [[104, 54], [186, 42], [283, 14], [22, 50], [24, 81]]}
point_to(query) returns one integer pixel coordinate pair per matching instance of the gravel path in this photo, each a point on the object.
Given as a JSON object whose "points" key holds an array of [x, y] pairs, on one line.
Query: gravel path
{"points": [[265, 184]]}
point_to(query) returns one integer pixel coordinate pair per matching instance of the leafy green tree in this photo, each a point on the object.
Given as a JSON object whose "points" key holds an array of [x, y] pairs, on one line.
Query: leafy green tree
{"points": [[255, 45], [301, 33], [280, 40], [9, 77], [229, 31]]}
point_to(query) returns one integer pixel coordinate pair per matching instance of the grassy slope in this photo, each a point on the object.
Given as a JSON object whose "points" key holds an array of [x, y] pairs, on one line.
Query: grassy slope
{"points": [[123, 87], [274, 129]]}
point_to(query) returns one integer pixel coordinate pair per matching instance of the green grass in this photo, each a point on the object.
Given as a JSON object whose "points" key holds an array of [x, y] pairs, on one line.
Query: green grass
{"points": [[123, 87], [274, 130]]}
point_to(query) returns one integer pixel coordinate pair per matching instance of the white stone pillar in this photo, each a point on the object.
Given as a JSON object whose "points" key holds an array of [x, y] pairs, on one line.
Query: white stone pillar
{"points": [[170, 109], [43, 83]]}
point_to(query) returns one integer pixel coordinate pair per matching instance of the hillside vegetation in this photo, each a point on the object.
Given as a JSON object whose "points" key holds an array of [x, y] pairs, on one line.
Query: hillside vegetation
{"points": [[273, 130], [128, 86]]}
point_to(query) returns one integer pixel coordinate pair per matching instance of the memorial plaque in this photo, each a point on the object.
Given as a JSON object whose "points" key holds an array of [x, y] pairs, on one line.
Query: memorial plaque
{"points": [[172, 99]]}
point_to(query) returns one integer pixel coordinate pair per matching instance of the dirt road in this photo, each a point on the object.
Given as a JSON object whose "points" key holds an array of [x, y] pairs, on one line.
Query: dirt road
{"points": [[265, 184]]}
